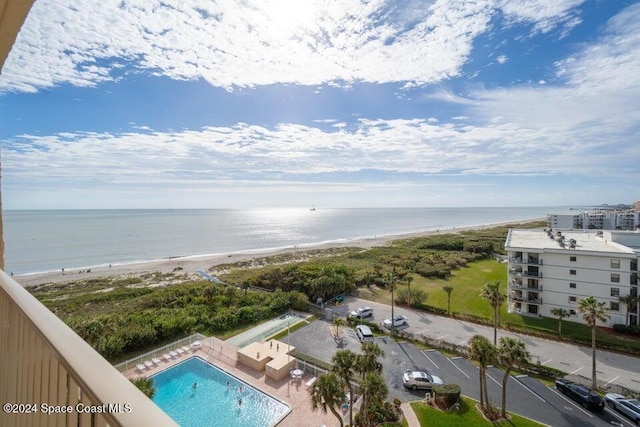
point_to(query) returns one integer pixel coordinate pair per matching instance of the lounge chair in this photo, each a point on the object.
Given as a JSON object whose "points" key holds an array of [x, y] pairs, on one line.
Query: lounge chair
{"points": [[186, 349], [196, 345], [180, 351], [167, 357], [140, 367], [148, 364], [156, 361], [174, 354]]}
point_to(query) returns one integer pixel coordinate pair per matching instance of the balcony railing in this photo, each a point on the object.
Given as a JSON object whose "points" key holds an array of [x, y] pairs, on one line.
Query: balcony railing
{"points": [[524, 287], [519, 273], [44, 363], [518, 260], [527, 299]]}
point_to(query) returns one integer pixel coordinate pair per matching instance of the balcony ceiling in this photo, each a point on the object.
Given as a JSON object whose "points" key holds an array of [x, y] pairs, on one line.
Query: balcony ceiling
{"points": [[12, 16]]}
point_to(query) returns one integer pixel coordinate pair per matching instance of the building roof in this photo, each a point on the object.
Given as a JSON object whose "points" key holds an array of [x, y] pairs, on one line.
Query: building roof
{"points": [[591, 241]]}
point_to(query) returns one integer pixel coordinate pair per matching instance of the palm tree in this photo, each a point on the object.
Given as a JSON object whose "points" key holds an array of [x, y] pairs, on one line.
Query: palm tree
{"points": [[491, 292], [368, 360], [560, 313], [374, 390], [344, 364], [448, 290], [481, 350], [145, 385], [337, 322], [372, 385], [511, 352], [592, 311], [628, 300], [409, 279], [328, 393], [390, 282]]}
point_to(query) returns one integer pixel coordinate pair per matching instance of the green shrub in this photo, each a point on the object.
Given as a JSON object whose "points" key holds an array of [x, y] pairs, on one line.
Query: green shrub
{"points": [[446, 395], [627, 330]]}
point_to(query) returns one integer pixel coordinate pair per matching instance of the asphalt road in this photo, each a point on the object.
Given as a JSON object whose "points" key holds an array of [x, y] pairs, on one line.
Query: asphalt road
{"points": [[525, 395], [573, 359]]}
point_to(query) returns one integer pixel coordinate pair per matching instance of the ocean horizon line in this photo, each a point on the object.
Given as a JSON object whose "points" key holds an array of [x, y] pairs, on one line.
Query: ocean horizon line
{"points": [[267, 250]]}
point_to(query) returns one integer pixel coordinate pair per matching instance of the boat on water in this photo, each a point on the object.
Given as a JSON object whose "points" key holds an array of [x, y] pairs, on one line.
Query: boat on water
{"points": [[313, 208]]}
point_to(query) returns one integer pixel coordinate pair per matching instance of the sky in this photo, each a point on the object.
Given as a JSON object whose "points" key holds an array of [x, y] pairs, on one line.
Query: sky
{"points": [[342, 103]]}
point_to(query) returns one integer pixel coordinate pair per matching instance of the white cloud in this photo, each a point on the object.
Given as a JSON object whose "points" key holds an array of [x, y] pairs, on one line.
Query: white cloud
{"points": [[545, 15], [239, 44], [502, 59]]}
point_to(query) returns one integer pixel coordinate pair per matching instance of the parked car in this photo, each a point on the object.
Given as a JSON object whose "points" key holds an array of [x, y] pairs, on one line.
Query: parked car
{"points": [[581, 394], [397, 321], [628, 407], [418, 379], [362, 312], [364, 334]]}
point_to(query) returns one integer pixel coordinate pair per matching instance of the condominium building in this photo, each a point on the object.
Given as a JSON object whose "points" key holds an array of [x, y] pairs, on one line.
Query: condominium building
{"points": [[600, 219], [555, 269]]}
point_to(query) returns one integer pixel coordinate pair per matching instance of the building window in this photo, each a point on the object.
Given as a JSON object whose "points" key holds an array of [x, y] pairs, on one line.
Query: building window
{"points": [[533, 309], [614, 306], [615, 278], [615, 263], [573, 258], [573, 299], [615, 292], [572, 312], [572, 285], [572, 272]]}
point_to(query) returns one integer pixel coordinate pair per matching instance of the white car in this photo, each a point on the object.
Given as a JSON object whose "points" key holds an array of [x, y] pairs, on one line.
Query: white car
{"points": [[397, 321], [628, 407], [418, 379], [362, 312]]}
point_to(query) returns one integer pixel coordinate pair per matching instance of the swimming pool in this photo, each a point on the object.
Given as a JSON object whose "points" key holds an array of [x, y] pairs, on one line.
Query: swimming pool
{"points": [[216, 399]]}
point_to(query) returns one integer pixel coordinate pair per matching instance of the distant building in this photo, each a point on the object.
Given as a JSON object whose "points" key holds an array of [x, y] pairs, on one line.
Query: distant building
{"points": [[555, 269], [600, 219]]}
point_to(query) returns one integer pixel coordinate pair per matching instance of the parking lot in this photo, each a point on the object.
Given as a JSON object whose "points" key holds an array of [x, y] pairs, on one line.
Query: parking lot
{"points": [[526, 396]]}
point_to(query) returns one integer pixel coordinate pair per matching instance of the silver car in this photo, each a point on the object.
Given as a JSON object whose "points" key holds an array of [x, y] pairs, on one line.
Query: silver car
{"points": [[397, 321], [418, 379], [628, 407]]}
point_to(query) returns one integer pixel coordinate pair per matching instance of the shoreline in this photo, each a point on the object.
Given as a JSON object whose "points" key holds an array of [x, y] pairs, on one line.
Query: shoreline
{"points": [[191, 263]]}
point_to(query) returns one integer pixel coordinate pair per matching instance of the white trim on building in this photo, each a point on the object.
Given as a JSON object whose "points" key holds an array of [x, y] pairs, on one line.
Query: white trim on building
{"points": [[555, 269]]}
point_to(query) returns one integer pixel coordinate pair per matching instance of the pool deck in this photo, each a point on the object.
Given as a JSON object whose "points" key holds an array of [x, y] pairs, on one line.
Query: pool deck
{"points": [[294, 393]]}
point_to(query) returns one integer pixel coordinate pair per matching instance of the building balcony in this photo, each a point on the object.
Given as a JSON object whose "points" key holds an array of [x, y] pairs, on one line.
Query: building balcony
{"points": [[525, 299], [42, 361], [520, 273], [524, 287], [519, 260]]}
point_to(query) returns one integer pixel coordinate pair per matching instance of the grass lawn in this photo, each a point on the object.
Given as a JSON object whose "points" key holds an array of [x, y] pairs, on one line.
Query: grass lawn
{"points": [[468, 416]]}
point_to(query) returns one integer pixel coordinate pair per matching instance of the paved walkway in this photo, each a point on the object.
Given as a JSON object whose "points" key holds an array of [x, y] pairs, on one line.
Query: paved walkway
{"points": [[612, 368], [407, 410]]}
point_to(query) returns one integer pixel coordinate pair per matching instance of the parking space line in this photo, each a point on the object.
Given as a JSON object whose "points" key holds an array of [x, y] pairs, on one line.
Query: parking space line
{"points": [[579, 369], [618, 416], [609, 382], [546, 361], [493, 379], [434, 363], [562, 396], [458, 368], [527, 388]]}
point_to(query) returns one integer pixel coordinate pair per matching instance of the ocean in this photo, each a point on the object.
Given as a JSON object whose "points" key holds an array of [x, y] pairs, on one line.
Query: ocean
{"points": [[48, 240]]}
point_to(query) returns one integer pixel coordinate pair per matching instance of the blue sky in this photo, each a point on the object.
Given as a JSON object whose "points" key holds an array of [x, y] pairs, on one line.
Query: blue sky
{"points": [[345, 103]]}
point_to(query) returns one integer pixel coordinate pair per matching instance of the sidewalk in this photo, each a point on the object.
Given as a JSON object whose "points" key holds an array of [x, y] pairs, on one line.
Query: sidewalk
{"points": [[410, 416]]}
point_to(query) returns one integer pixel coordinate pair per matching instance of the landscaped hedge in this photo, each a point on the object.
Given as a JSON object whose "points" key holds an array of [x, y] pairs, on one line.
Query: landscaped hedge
{"points": [[446, 395], [627, 330]]}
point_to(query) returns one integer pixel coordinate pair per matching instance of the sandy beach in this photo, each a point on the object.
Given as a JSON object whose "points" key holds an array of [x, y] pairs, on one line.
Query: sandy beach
{"points": [[191, 264]]}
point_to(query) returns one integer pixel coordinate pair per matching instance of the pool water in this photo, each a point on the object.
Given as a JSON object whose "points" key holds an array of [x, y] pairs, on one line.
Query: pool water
{"points": [[216, 399]]}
